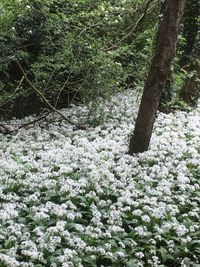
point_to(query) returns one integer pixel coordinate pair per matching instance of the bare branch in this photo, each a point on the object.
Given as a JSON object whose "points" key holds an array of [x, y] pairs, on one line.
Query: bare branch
{"points": [[8, 128], [5, 129], [45, 100], [34, 121], [11, 95], [134, 28]]}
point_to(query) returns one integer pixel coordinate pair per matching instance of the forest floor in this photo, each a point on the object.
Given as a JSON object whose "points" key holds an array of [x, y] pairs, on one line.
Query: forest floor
{"points": [[72, 197]]}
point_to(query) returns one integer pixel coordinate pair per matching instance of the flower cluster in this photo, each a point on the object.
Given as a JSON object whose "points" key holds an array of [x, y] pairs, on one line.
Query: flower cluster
{"points": [[75, 198]]}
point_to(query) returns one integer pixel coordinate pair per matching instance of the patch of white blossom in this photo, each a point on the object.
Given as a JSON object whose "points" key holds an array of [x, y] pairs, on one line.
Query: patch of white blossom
{"points": [[73, 197]]}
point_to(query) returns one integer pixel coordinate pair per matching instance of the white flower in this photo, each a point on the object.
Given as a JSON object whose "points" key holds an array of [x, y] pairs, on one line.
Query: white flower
{"points": [[139, 255], [145, 218], [181, 230], [63, 189], [120, 254], [9, 261], [182, 179], [140, 231]]}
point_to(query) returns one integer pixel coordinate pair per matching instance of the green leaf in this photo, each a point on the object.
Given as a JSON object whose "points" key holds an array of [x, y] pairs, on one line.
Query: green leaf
{"points": [[164, 254]]}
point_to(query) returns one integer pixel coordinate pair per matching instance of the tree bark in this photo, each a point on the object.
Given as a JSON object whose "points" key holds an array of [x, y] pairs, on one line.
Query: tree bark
{"points": [[158, 74], [190, 60], [190, 90], [190, 31]]}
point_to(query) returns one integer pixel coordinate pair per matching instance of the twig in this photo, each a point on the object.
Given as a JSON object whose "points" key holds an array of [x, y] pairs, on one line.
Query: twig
{"points": [[34, 121], [85, 29], [50, 78], [11, 95], [66, 82], [82, 127], [80, 87], [7, 128], [72, 65], [135, 26]]}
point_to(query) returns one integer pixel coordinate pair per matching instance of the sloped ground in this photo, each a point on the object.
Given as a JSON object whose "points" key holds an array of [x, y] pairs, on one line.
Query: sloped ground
{"points": [[75, 198]]}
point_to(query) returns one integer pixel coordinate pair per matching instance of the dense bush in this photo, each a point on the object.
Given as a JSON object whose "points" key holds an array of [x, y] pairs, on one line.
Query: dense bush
{"points": [[71, 50]]}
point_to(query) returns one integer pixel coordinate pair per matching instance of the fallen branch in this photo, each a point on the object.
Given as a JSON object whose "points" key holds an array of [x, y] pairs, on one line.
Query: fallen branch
{"points": [[82, 127], [34, 121], [7, 128], [134, 27]]}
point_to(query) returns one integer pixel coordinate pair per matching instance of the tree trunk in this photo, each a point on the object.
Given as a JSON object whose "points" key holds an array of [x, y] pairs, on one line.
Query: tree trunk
{"points": [[190, 31], [190, 90], [166, 95], [190, 60], [158, 74]]}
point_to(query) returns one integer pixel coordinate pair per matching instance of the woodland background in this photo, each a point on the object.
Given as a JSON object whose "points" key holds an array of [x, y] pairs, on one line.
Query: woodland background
{"points": [[86, 50]]}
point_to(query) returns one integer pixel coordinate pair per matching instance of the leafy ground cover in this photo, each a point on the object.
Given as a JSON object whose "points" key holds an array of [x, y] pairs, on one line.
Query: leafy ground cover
{"points": [[75, 198]]}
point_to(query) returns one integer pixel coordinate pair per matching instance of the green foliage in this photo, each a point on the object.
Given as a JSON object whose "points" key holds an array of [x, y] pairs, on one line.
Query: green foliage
{"points": [[185, 64], [71, 51]]}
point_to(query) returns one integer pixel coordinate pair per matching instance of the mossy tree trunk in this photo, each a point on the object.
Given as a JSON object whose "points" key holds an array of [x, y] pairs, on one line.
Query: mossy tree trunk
{"points": [[158, 74]]}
